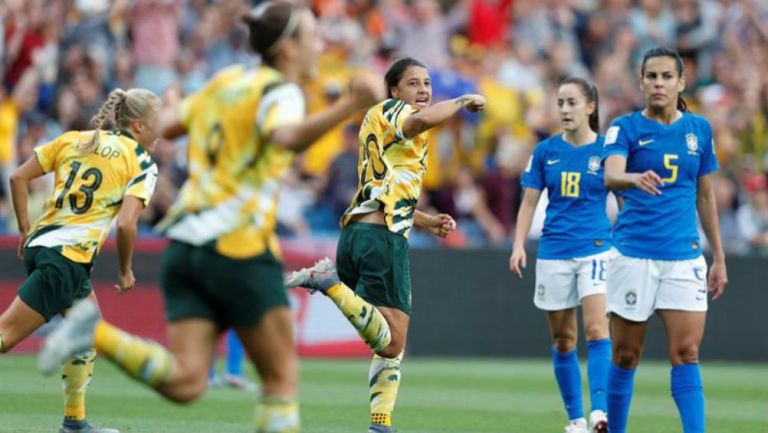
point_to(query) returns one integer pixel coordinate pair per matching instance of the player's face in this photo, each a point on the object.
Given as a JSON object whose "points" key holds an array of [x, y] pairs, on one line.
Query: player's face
{"points": [[415, 87], [573, 107], [308, 45], [661, 82]]}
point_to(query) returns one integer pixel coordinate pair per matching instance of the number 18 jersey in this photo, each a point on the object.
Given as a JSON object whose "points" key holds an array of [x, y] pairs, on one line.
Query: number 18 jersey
{"points": [[88, 190], [576, 224]]}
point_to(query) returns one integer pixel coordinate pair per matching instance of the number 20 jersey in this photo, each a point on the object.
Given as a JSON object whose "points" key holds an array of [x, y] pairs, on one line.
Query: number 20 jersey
{"points": [[661, 227], [229, 200], [88, 190], [391, 166]]}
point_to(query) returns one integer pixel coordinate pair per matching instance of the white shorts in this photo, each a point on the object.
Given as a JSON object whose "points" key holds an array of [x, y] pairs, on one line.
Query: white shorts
{"points": [[638, 287], [562, 284]]}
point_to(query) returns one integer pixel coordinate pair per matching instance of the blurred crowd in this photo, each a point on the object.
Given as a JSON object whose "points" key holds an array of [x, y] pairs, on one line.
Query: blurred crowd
{"points": [[61, 57]]}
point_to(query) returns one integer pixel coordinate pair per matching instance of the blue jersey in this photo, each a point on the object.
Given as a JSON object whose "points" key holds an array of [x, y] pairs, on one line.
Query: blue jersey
{"points": [[576, 224], [661, 227]]}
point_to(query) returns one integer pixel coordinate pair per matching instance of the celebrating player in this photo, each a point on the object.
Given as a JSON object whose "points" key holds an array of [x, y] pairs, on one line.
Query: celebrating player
{"points": [[222, 267], [661, 157], [574, 248], [373, 285], [98, 175]]}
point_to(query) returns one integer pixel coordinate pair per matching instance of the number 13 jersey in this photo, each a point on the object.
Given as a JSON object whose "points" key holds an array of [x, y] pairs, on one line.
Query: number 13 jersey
{"points": [[89, 189]]}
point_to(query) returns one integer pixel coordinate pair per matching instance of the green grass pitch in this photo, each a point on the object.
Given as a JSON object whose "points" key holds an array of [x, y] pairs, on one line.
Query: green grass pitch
{"points": [[437, 395]]}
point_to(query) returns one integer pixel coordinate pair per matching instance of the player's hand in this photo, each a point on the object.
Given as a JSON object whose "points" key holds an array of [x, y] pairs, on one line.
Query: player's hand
{"points": [[649, 182], [366, 91], [718, 278], [518, 261], [473, 103], [441, 224], [125, 281], [22, 243]]}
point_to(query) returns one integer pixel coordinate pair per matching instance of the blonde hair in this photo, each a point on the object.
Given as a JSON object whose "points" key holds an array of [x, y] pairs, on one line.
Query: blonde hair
{"points": [[121, 108]]}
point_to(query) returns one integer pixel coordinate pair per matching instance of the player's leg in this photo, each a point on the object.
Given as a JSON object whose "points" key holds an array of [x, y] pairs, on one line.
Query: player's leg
{"points": [[270, 345], [18, 322], [556, 293], [36, 303], [233, 376], [685, 330], [340, 283], [632, 285], [565, 362], [682, 305], [76, 373], [384, 373], [592, 286]]}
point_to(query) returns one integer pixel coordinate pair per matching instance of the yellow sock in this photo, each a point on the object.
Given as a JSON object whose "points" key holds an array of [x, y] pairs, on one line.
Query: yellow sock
{"points": [[76, 373], [143, 360], [1, 342], [277, 414], [384, 380], [366, 318]]}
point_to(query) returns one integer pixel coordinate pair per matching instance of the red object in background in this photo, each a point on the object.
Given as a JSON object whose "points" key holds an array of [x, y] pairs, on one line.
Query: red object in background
{"points": [[320, 330], [31, 42], [488, 22]]}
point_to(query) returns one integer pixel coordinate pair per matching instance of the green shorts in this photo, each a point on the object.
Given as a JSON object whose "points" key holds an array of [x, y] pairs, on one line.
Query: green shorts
{"points": [[53, 281], [198, 282], [374, 262]]}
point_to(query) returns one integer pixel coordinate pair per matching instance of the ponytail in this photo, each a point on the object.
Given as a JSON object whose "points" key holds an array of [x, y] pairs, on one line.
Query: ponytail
{"points": [[121, 108], [107, 112]]}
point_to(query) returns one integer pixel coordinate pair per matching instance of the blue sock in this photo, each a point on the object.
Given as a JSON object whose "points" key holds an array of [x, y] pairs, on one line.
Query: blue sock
{"points": [[234, 354], [688, 393], [598, 364], [620, 383], [568, 375]]}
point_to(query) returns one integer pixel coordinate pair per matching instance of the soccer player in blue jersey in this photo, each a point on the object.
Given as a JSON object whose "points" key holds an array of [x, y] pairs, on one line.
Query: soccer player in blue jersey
{"points": [[574, 249], [661, 159]]}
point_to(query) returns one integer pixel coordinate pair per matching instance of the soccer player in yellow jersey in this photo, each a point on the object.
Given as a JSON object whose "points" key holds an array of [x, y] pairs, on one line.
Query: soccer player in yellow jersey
{"points": [[373, 285], [222, 268], [99, 175]]}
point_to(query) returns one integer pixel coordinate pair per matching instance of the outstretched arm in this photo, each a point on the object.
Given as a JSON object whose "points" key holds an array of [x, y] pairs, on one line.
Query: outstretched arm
{"points": [[432, 116]]}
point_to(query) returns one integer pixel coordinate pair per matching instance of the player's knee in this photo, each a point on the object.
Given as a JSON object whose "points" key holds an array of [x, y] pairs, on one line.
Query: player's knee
{"points": [[595, 331], [626, 357], [686, 353], [394, 349], [188, 393], [564, 344]]}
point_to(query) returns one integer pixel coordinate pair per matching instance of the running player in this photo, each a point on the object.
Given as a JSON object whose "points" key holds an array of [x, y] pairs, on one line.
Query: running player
{"points": [[574, 248], [222, 268], [662, 158], [98, 175], [373, 285]]}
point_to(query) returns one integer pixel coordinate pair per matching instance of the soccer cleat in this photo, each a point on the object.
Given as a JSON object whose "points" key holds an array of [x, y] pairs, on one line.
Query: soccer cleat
{"points": [[84, 427], [378, 428], [74, 335], [598, 422], [318, 278], [577, 426]]}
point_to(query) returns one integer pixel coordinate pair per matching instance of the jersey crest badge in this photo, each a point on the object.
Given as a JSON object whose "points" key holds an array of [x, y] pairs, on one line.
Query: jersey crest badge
{"points": [[692, 142], [593, 166]]}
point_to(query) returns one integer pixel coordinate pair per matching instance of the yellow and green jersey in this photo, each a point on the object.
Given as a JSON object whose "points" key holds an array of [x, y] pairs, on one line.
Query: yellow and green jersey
{"points": [[391, 167], [89, 189], [229, 200]]}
